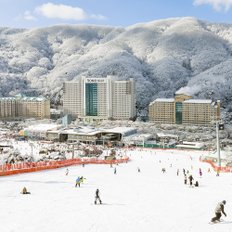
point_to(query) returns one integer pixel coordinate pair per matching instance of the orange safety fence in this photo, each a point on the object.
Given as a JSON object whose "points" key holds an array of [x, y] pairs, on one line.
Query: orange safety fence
{"points": [[11, 169], [217, 168]]}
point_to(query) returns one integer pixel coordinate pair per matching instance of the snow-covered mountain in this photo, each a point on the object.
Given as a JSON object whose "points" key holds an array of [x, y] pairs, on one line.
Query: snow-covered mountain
{"points": [[163, 56]]}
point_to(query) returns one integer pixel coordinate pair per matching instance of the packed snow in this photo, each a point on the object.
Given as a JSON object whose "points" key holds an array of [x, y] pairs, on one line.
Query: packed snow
{"points": [[149, 200]]}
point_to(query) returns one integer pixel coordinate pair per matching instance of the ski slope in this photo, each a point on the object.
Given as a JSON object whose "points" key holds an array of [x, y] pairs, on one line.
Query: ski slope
{"points": [[133, 201]]}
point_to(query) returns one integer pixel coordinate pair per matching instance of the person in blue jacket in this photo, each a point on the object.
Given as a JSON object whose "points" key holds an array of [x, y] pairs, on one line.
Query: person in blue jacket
{"points": [[78, 182]]}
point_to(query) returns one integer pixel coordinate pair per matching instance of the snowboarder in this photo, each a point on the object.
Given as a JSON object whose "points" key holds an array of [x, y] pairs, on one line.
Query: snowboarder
{"points": [[218, 211], [97, 197], [24, 191]]}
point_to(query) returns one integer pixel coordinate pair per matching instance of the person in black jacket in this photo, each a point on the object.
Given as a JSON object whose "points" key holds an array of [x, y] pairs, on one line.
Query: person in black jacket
{"points": [[97, 197], [191, 180], [185, 179], [24, 191], [218, 211]]}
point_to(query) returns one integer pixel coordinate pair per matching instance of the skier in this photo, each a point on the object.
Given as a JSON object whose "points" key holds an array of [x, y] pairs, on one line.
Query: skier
{"points": [[185, 179], [138, 169], [191, 180], [184, 171], [200, 172], [78, 182], [97, 197], [66, 172], [82, 179], [24, 191], [115, 171], [177, 172], [218, 211], [163, 170]]}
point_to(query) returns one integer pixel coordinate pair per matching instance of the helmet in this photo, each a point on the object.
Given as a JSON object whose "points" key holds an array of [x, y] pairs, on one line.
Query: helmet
{"points": [[224, 202]]}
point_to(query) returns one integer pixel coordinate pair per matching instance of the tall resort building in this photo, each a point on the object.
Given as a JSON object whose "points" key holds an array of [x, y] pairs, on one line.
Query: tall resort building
{"points": [[72, 100], [94, 99], [184, 110]]}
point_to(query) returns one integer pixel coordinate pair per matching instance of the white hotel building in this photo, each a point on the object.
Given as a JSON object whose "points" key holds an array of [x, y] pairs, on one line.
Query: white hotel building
{"points": [[100, 98]]}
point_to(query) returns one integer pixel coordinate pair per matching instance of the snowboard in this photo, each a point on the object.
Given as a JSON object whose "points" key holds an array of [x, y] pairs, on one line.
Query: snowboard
{"points": [[216, 222], [101, 204]]}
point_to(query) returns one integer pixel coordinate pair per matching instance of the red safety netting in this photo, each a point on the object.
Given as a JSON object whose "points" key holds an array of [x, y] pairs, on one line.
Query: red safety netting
{"points": [[11, 169], [217, 168]]}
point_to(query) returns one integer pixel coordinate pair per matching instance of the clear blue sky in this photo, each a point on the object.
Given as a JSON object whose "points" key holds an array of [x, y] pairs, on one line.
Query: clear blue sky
{"points": [[41, 13]]}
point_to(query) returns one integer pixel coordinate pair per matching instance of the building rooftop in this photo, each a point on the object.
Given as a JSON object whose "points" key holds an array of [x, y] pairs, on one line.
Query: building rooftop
{"points": [[198, 101], [121, 130], [80, 130], [7, 98], [24, 98], [164, 100], [42, 127]]}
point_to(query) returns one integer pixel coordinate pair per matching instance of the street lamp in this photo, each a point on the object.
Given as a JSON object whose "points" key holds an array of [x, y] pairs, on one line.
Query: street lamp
{"points": [[219, 126], [218, 145]]}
